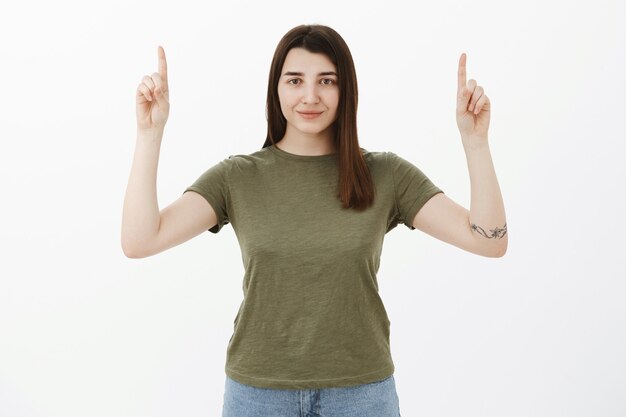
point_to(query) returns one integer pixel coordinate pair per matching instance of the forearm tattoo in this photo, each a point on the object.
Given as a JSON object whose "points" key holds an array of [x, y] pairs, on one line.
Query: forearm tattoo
{"points": [[497, 232]]}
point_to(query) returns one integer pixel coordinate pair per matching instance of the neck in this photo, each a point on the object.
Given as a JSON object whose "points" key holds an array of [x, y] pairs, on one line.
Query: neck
{"points": [[305, 144]]}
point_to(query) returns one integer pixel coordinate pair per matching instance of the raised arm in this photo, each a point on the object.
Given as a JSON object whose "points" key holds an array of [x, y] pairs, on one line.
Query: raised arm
{"points": [[140, 216], [482, 229]]}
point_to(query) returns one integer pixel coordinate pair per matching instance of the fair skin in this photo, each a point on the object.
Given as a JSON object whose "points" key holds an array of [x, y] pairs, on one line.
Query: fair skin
{"points": [[308, 83], [147, 231], [482, 229], [441, 217]]}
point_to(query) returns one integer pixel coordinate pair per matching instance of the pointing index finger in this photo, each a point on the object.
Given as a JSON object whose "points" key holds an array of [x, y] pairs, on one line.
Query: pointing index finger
{"points": [[163, 67], [462, 71]]}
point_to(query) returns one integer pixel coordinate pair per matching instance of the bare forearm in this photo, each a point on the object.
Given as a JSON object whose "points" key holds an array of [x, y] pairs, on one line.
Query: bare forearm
{"points": [[141, 217], [487, 217]]}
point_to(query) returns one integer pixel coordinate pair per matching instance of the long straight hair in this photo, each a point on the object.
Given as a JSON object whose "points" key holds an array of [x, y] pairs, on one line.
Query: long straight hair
{"points": [[355, 184]]}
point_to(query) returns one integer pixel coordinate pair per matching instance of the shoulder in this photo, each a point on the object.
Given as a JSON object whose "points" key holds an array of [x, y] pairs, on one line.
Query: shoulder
{"points": [[397, 163], [249, 159], [374, 158], [387, 161]]}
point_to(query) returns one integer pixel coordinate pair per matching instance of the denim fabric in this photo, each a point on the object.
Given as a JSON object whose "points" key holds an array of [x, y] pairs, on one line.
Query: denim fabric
{"points": [[376, 399]]}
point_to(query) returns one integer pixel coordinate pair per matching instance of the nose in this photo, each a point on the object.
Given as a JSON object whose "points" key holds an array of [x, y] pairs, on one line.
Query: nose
{"points": [[310, 94]]}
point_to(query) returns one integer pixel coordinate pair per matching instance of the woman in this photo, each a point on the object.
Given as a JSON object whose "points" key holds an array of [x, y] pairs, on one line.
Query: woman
{"points": [[310, 211]]}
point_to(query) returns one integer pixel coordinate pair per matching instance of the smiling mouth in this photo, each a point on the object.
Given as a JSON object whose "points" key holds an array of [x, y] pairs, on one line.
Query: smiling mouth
{"points": [[309, 115]]}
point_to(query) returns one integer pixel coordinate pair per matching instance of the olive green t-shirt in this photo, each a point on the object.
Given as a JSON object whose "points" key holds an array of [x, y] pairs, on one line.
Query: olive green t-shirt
{"points": [[311, 316]]}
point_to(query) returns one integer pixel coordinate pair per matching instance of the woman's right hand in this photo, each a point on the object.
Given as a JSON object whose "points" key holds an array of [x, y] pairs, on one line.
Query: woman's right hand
{"points": [[153, 97]]}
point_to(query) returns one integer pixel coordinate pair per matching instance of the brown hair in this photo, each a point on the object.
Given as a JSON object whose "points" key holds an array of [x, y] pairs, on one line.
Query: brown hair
{"points": [[355, 185]]}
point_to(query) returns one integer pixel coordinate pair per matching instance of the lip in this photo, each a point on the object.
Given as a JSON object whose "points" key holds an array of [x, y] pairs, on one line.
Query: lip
{"points": [[309, 115]]}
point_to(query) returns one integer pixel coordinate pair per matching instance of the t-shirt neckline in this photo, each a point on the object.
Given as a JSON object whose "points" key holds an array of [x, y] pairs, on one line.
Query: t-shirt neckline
{"points": [[295, 157]]}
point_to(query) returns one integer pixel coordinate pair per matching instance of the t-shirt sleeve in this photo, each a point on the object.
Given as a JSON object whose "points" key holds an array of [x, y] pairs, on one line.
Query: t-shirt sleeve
{"points": [[213, 185], [412, 189]]}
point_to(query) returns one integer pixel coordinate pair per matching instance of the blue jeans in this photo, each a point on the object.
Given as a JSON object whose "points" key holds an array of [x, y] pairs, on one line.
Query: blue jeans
{"points": [[376, 399]]}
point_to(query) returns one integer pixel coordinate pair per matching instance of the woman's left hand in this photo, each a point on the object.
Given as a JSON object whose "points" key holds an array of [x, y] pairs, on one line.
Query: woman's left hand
{"points": [[473, 108]]}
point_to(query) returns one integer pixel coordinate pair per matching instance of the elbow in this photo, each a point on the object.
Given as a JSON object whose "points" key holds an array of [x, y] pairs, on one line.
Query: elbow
{"points": [[493, 250], [131, 254], [130, 251], [495, 246], [500, 250]]}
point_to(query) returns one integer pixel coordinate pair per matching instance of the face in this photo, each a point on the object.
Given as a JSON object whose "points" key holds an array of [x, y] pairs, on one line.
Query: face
{"points": [[308, 84]]}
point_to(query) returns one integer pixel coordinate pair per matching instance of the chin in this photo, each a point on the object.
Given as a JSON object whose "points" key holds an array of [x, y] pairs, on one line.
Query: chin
{"points": [[314, 132], [311, 129]]}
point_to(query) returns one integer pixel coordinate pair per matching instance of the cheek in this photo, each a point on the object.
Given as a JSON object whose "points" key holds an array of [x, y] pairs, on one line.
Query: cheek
{"points": [[333, 101], [282, 101], [287, 99]]}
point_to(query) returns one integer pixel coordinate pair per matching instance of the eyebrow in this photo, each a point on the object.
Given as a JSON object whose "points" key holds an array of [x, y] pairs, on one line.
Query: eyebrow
{"points": [[301, 73]]}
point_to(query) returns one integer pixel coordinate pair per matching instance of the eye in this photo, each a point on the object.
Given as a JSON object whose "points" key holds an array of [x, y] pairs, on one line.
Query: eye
{"points": [[328, 79], [293, 79]]}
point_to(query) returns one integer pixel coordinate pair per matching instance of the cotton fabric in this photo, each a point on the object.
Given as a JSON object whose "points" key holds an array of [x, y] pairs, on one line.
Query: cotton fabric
{"points": [[311, 315]]}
